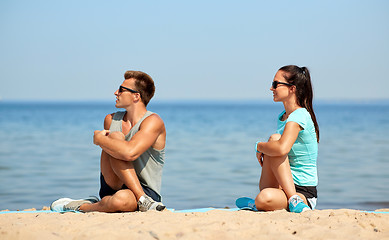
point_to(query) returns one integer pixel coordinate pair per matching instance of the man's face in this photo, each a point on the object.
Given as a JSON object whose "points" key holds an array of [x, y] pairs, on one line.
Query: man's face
{"points": [[126, 94]]}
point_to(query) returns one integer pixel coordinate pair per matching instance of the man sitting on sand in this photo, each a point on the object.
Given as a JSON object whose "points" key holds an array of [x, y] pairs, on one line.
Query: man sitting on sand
{"points": [[133, 154]]}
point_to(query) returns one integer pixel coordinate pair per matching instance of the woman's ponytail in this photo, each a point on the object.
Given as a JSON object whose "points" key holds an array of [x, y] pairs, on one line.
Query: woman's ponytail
{"points": [[301, 78]]}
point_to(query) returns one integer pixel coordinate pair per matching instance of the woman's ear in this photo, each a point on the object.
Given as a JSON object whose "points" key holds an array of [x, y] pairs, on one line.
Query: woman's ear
{"points": [[292, 89]]}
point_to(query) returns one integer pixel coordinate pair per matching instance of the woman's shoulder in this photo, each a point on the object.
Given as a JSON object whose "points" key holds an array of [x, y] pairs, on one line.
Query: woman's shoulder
{"points": [[300, 112], [300, 115]]}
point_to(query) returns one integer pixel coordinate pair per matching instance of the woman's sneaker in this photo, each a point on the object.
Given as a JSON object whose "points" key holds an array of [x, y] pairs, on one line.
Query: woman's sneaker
{"points": [[246, 203], [68, 204], [297, 205], [146, 203]]}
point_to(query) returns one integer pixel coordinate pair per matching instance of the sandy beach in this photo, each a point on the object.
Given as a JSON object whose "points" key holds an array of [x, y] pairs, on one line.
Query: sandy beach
{"points": [[214, 224]]}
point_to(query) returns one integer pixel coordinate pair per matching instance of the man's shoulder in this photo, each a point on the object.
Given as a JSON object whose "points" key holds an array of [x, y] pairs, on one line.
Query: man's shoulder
{"points": [[108, 120], [153, 120], [116, 115], [154, 117], [109, 117]]}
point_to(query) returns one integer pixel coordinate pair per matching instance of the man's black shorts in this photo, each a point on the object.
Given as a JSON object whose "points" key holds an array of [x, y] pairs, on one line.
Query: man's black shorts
{"points": [[106, 190]]}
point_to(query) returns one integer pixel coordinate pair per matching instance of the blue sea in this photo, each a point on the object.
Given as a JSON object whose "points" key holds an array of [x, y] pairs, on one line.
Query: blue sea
{"points": [[46, 152]]}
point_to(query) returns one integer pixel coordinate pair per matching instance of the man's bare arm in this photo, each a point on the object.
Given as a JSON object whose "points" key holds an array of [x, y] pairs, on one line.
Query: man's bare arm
{"points": [[151, 128]]}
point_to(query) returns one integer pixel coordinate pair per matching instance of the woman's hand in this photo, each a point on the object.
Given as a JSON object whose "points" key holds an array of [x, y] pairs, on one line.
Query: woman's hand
{"points": [[260, 158]]}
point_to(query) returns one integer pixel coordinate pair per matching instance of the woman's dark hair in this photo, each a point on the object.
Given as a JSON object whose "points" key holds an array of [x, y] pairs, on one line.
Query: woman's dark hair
{"points": [[300, 77]]}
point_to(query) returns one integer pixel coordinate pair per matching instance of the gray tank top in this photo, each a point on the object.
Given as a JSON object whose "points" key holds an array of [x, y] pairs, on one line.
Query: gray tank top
{"points": [[149, 165]]}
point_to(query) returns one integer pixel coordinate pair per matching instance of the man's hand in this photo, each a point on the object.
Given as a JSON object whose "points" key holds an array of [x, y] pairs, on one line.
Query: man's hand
{"points": [[98, 135]]}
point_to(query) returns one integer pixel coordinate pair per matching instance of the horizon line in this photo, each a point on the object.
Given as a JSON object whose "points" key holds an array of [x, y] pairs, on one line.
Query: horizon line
{"points": [[201, 101]]}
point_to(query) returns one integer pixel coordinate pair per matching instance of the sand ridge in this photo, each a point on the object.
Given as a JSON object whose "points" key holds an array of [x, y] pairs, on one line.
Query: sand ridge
{"points": [[215, 224]]}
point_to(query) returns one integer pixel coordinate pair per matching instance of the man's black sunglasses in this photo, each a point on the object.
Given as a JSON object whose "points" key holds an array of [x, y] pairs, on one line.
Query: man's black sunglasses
{"points": [[121, 89], [275, 84]]}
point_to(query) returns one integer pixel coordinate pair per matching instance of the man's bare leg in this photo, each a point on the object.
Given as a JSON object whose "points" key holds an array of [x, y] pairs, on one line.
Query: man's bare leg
{"points": [[116, 173], [122, 201], [121, 172]]}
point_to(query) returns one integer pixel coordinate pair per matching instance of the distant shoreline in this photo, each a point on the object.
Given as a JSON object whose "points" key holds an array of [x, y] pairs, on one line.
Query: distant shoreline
{"points": [[199, 102]]}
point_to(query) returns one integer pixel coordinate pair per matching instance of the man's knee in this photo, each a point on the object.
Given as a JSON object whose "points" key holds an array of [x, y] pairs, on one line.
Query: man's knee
{"points": [[117, 135], [275, 137], [124, 201]]}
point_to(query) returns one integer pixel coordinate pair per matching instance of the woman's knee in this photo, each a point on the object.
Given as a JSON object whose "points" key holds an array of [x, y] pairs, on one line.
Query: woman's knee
{"points": [[264, 198], [270, 199], [275, 137]]}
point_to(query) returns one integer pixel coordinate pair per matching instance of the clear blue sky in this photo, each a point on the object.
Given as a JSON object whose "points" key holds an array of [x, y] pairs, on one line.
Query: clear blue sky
{"points": [[224, 50]]}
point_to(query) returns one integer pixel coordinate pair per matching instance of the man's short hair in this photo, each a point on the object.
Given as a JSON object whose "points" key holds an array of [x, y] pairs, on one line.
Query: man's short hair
{"points": [[144, 84]]}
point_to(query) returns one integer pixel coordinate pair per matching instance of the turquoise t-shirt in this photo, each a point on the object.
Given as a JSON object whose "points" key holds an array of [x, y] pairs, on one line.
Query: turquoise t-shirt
{"points": [[303, 155]]}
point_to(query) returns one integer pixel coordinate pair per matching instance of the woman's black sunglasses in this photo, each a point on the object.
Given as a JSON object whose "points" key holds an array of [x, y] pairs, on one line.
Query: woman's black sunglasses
{"points": [[275, 84]]}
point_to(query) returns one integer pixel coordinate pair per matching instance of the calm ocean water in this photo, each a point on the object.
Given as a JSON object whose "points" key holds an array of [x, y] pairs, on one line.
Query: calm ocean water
{"points": [[46, 152]]}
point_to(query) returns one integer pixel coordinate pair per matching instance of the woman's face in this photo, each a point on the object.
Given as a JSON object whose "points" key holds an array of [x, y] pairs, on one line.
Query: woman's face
{"points": [[280, 87]]}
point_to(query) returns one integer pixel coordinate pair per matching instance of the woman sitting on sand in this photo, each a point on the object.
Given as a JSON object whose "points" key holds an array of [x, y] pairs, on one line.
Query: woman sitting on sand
{"points": [[288, 159]]}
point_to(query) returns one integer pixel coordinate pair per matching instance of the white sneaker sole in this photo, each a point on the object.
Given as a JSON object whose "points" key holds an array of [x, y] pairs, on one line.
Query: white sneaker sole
{"points": [[57, 206]]}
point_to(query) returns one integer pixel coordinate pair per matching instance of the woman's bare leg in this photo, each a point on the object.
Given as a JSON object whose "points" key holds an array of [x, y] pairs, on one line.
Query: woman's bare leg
{"points": [[276, 183]]}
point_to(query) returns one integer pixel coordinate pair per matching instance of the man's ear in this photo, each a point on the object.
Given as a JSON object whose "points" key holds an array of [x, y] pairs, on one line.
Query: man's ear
{"points": [[137, 97]]}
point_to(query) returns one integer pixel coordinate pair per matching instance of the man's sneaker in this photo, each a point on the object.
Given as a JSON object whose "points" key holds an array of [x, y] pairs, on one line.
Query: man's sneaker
{"points": [[146, 203], [297, 205], [68, 204]]}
